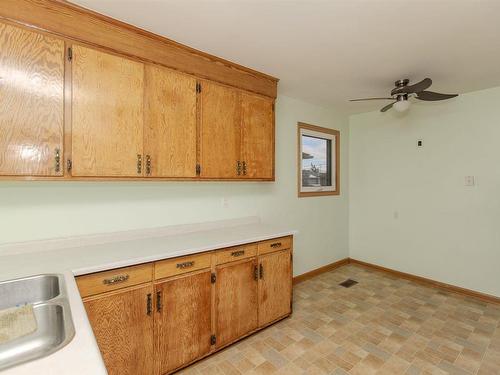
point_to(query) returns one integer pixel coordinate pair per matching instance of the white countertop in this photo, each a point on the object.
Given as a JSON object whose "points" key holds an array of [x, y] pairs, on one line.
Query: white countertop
{"points": [[82, 255]]}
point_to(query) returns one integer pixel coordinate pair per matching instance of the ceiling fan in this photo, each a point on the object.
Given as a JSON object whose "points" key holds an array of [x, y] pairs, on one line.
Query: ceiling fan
{"points": [[402, 92]]}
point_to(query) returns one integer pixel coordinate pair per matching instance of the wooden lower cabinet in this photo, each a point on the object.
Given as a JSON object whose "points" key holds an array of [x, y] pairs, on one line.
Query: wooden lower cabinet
{"points": [[185, 308], [235, 300], [183, 320], [275, 286], [123, 327]]}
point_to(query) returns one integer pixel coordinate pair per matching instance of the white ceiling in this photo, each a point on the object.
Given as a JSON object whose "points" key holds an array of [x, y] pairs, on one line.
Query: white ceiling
{"points": [[326, 52]]}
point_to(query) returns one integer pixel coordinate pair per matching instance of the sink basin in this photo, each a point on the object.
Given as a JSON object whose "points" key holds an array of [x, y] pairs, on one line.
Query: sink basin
{"points": [[47, 294], [28, 290]]}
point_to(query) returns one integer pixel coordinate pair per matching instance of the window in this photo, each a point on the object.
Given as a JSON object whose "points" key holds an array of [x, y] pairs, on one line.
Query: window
{"points": [[318, 172]]}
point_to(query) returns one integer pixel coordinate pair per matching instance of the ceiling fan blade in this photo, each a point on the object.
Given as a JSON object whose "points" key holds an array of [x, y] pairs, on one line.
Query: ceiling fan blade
{"points": [[433, 96], [417, 87], [358, 100], [387, 107]]}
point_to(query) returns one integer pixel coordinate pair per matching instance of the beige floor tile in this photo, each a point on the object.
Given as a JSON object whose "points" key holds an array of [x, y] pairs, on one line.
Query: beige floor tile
{"points": [[382, 325]]}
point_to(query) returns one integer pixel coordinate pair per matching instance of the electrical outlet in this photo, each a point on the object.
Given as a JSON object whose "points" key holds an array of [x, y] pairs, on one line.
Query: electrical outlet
{"points": [[225, 202]]}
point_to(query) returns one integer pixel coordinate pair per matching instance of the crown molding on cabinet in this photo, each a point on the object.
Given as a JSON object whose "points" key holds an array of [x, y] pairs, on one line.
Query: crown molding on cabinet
{"points": [[85, 26]]}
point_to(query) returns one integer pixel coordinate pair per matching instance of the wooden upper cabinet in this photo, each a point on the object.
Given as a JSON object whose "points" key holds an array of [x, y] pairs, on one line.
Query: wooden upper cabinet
{"points": [[32, 96], [183, 320], [257, 136], [235, 300], [220, 131], [124, 329], [170, 123], [107, 112], [275, 286]]}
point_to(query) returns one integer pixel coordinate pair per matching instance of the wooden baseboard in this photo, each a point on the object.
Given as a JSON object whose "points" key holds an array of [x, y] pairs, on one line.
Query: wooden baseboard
{"points": [[429, 282], [319, 271]]}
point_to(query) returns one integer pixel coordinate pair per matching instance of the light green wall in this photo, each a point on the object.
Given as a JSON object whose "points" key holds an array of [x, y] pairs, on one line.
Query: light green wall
{"points": [[37, 210], [410, 209]]}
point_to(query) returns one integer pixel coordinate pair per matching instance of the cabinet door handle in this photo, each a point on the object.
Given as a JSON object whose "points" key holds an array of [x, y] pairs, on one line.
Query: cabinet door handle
{"points": [[139, 163], [158, 301], [275, 245], [57, 160], [116, 280], [148, 165], [238, 253], [238, 167], [255, 273], [185, 264], [261, 271], [149, 304]]}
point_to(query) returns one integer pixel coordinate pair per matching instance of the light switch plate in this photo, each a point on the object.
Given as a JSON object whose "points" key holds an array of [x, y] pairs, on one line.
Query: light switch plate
{"points": [[470, 181]]}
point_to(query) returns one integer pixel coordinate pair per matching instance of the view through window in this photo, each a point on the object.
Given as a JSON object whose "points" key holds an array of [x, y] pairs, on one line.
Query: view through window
{"points": [[318, 160]]}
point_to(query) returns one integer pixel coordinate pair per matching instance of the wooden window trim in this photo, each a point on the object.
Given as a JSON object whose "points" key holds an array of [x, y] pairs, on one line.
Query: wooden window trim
{"points": [[336, 133]]}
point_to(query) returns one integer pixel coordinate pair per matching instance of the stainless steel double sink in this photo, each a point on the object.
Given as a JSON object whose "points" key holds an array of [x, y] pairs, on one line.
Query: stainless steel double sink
{"points": [[47, 293]]}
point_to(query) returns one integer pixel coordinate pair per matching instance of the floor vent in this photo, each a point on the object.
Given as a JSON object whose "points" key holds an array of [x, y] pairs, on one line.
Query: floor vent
{"points": [[348, 283]]}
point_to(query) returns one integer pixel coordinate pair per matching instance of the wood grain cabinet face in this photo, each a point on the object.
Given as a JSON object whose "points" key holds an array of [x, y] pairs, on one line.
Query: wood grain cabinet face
{"points": [[32, 99], [235, 300], [275, 286], [219, 131], [170, 123], [257, 136], [107, 111], [183, 321], [123, 330]]}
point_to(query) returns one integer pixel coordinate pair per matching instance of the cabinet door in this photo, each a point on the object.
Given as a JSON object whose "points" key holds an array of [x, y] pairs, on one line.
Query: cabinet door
{"points": [[32, 96], [257, 134], [183, 323], [275, 286], [235, 300], [220, 131], [124, 330], [170, 123], [107, 111]]}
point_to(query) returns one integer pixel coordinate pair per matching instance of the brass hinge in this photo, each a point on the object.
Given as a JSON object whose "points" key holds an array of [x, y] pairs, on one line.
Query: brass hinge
{"points": [[198, 169], [198, 87], [69, 165], [213, 278], [213, 340], [70, 54]]}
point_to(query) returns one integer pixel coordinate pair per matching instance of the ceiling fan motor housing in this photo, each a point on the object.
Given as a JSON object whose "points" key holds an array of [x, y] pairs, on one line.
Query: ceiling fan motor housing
{"points": [[402, 82]]}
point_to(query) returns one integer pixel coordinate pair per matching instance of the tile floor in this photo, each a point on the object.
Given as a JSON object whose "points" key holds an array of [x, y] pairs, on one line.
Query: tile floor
{"points": [[383, 325]]}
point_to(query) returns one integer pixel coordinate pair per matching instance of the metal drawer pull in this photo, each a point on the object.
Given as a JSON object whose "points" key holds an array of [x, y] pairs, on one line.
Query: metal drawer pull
{"points": [[115, 280], [276, 244], [185, 264], [149, 308], [238, 253]]}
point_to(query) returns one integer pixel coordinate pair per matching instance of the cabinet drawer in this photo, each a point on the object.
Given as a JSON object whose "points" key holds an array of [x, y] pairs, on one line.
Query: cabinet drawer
{"points": [[106, 281], [236, 253], [177, 266], [275, 244]]}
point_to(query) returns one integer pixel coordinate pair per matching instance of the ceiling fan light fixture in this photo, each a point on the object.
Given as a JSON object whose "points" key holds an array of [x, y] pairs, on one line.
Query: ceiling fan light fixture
{"points": [[401, 105]]}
